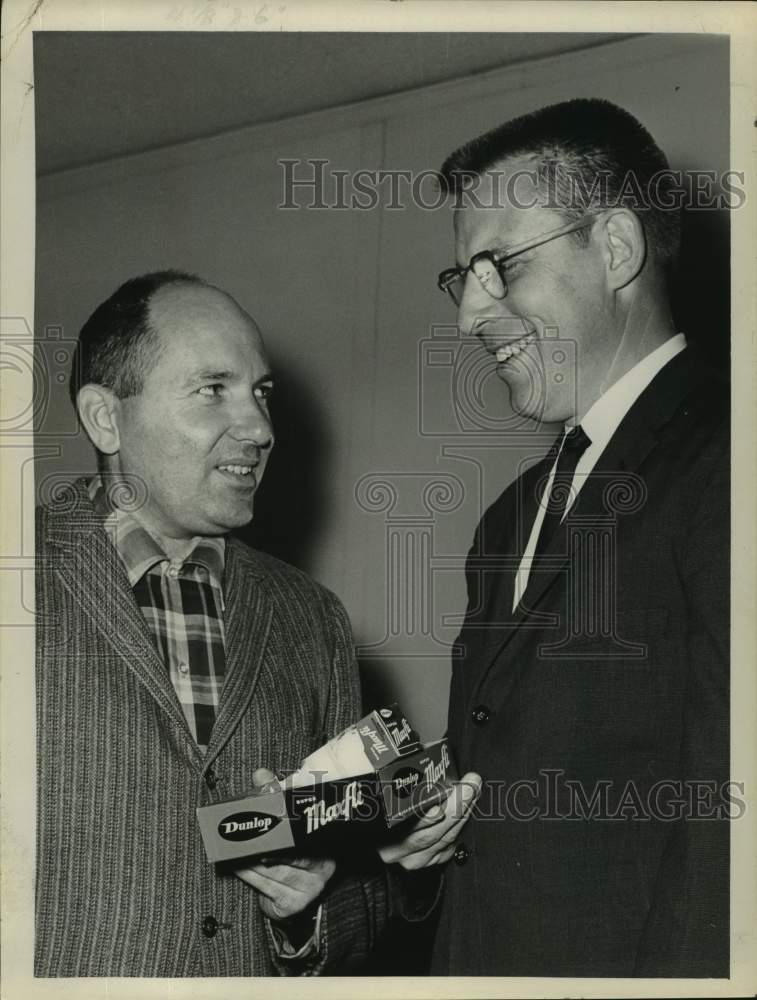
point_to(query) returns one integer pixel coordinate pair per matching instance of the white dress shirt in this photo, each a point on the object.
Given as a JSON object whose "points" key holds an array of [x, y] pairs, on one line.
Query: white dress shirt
{"points": [[600, 423]]}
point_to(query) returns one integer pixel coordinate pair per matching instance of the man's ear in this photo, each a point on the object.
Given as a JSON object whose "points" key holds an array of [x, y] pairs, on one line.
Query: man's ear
{"points": [[99, 412], [625, 247]]}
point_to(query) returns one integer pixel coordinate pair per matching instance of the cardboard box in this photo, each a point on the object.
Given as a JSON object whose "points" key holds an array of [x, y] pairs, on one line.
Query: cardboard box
{"points": [[403, 779]]}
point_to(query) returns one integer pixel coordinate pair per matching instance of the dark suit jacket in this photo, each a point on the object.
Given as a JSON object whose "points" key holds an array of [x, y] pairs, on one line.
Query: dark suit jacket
{"points": [[123, 884], [613, 676]]}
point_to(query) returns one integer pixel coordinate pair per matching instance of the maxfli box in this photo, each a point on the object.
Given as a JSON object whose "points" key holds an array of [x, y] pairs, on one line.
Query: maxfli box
{"points": [[320, 809]]}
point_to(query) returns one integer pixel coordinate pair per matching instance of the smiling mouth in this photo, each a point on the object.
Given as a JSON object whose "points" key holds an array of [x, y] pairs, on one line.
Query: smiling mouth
{"points": [[514, 348], [237, 470], [238, 475]]}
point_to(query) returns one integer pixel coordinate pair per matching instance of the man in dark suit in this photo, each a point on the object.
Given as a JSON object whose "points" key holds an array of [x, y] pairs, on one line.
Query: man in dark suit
{"points": [[590, 686], [175, 664]]}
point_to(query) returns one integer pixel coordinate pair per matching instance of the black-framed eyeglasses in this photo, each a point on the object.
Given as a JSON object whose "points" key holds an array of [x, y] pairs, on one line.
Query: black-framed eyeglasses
{"points": [[488, 265]]}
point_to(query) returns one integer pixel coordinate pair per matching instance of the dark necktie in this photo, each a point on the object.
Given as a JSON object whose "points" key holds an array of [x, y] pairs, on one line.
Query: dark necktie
{"points": [[574, 445]]}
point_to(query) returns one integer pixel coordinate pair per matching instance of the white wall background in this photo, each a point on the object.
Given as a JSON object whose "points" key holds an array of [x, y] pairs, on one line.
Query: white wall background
{"points": [[346, 300]]}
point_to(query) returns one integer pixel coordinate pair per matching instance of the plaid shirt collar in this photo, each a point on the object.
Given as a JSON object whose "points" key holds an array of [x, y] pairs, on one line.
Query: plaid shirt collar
{"points": [[139, 551]]}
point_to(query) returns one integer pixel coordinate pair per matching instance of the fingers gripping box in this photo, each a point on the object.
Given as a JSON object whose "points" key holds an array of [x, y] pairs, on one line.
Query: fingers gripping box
{"points": [[370, 778]]}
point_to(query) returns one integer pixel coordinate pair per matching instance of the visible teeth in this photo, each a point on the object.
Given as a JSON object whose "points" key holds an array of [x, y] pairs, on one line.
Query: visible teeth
{"points": [[239, 470], [513, 349]]}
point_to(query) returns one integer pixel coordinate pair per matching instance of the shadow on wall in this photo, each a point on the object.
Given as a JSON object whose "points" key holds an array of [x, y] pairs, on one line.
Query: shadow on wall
{"points": [[289, 507], [404, 949], [701, 285], [375, 684]]}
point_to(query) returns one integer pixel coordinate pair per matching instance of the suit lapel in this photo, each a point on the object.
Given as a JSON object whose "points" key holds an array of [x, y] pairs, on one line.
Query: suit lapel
{"points": [[636, 437], [248, 616], [503, 622], [91, 571]]}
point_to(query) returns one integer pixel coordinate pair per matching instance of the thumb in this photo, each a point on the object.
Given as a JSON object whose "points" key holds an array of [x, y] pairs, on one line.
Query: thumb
{"points": [[262, 777], [470, 785]]}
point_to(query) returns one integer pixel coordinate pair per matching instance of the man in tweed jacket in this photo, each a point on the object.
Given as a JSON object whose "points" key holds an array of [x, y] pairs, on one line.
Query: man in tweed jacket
{"points": [[173, 662]]}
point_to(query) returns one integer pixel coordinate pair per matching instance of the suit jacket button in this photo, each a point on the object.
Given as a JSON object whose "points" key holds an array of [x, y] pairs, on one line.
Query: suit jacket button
{"points": [[461, 854], [210, 927], [480, 715], [210, 778]]}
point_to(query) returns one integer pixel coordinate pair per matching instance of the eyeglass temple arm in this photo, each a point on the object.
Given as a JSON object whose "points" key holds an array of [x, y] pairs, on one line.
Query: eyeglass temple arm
{"points": [[571, 227]]}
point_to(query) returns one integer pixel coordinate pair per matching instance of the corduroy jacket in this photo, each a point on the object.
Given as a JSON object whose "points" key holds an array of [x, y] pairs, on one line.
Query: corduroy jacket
{"points": [[123, 884]]}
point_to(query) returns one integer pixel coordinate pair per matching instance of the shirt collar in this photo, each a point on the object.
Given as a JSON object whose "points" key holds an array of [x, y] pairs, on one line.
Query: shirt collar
{"points": [[603, 418], [136, 547]]}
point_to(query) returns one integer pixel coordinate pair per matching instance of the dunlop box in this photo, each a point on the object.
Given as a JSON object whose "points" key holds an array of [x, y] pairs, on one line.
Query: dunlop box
{"points": [[399, 779]]}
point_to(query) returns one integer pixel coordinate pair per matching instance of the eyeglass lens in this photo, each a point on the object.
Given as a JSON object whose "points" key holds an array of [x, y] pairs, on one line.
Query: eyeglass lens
{"points": [[488, 274], [485, 271]]}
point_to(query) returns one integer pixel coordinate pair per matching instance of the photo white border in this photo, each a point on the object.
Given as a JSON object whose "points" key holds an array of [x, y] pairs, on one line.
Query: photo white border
{"points": [[19, 19]]}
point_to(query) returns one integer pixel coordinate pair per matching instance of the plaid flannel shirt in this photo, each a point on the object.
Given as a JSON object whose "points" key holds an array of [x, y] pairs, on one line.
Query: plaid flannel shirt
{"points": [[182, 604]]}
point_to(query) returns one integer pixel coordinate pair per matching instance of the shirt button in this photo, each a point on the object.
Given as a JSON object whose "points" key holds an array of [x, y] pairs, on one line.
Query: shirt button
{"points": [[461, 854], [183, 667], [481, 715], [173, 571], [210, 778], [210, 927]]}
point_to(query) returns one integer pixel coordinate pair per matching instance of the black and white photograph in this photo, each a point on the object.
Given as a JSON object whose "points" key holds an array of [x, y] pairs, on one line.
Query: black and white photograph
{"points": [[377, 443]]}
